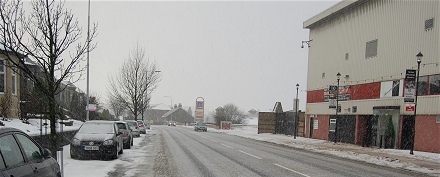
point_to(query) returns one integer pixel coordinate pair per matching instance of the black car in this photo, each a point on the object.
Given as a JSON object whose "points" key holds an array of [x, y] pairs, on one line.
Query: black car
{"points": [[97, 139], [20, 155]]}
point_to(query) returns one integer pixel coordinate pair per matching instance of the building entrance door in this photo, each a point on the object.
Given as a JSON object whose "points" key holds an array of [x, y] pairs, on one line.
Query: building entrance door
{"points": [[385, 125]]}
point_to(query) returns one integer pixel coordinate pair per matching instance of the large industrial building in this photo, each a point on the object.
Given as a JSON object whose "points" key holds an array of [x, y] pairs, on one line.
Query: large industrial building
{"points": [[373, 44]]}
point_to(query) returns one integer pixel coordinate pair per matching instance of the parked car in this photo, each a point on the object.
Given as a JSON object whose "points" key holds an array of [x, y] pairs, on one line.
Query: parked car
{"points": [[142, 127], [20, 155], [147, 125], [97, 139], [134, 128], [127, 136], [200, 126]]}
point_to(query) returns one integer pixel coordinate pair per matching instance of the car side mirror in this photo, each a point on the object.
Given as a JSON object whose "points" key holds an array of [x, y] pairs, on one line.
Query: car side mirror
{"points": [[47, 153]]}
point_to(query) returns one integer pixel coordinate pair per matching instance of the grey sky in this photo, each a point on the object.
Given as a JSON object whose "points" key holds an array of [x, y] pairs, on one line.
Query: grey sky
{"points": [[246, 53]]}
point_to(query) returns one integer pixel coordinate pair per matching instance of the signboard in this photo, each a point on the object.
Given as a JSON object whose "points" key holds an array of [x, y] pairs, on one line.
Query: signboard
{"points": [[409, 107], [315, 124], [343, 93], [200, 107], [410, 86], [92, 107]]}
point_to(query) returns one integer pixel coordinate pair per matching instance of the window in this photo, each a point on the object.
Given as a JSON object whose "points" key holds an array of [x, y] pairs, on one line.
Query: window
{"points": [[31, 150], [14, 82], [422, 86], [371, 49], [2, 76], [434, 84], [429, 24], [10, 151]]}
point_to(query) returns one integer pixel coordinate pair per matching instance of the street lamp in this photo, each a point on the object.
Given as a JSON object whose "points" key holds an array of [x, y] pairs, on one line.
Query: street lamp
{"points": [[419, 57], [297, 114], [171, 107], [337, 106]]}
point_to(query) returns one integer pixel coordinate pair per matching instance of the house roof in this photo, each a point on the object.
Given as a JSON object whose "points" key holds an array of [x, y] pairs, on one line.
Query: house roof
{"points": [[331, 12]]}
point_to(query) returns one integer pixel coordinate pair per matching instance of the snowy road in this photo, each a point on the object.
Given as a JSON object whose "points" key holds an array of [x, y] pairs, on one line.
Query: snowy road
{"points": [[179, 151]]}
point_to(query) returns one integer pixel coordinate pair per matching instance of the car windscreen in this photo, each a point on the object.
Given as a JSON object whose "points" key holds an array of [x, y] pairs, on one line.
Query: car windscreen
{"points": [[121, 125], [96, 128]]}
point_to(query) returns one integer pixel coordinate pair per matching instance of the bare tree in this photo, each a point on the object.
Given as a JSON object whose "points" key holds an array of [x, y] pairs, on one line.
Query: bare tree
{"points": [[44, 35], [136, 80], [117, 107]]}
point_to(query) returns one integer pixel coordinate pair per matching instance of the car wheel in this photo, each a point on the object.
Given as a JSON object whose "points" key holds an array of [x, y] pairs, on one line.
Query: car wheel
{"points": [[116, 154], [73, 156], [127, 145], [131, 142]]}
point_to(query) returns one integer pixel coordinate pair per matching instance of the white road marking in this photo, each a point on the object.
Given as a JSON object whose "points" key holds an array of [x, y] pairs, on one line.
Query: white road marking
{"points": [[226, 145], [249, 154], [213, 141], [291, 170]]}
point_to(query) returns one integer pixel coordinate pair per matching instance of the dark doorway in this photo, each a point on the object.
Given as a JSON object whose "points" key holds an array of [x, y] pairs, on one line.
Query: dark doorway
{"points": [[407, 125], [346, 128], [367, 137]]}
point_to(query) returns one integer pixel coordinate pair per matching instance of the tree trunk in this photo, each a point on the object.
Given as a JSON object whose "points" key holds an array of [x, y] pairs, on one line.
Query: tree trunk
{"points": [[53, 133]]}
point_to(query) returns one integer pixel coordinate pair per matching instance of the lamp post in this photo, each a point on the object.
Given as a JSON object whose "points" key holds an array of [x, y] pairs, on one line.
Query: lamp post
{"points": [[171, 107], [337, 106], [297, 114], [419, 57]]}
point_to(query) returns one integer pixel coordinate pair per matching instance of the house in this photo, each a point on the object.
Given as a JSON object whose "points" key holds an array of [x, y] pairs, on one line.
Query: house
{"points": [[368, 49], [9, 88]]}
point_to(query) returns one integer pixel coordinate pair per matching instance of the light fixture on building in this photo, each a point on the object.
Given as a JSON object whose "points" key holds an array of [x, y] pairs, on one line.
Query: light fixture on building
{"points": [[307, 42]]}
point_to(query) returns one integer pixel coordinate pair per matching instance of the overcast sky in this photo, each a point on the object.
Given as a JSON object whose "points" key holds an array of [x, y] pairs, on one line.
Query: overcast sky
{"points": [[246, 53]]}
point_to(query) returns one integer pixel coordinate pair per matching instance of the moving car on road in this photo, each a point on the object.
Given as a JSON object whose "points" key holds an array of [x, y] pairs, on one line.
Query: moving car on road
{"points": [[97, 138], [20, 155], [200, 126], [127, 136]]}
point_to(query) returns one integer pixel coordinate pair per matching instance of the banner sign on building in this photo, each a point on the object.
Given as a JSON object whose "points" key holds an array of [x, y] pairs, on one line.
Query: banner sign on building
{"points": [[330, 94], [410, 86]]}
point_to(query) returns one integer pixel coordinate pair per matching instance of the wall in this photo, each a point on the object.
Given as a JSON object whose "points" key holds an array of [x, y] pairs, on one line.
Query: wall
{"points": [[323, 127], [427, 134]]}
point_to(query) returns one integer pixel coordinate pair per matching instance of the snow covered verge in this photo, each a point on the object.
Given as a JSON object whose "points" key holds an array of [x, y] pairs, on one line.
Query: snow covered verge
{"points": [[40, 126]]}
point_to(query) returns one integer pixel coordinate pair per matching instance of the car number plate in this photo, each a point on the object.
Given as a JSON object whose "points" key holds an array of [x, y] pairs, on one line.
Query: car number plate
{"points": [[91, 148]]}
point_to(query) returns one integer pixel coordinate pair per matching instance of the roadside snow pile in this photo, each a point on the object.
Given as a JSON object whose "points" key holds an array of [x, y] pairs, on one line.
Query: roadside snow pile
{"points": [[39, 126]]}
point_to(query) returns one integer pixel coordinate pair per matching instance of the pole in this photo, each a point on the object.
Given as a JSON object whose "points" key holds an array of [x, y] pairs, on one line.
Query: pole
{"points": [[88, 73], [413, 130], [297, 113], [337, 109]]}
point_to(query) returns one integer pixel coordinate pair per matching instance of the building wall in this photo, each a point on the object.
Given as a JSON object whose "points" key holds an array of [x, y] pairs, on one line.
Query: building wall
{"points": [[15, 106], [398, 43], [340, 35], [323, 127], [427, 134]]}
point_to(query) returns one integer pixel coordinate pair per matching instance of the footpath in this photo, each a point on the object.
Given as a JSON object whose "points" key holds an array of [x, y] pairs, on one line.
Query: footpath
{"points": [[423, 162]]}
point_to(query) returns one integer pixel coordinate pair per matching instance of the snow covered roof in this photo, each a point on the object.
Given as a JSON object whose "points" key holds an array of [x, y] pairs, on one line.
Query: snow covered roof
{"points": [[160, 106]]}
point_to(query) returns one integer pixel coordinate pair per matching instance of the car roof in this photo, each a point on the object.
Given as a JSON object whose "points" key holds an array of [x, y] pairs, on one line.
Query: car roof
{"points": [[8, 129]]}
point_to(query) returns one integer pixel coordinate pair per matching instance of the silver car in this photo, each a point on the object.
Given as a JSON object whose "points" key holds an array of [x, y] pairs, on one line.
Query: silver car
{"points": [[134, 128], [142, 127]]}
